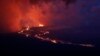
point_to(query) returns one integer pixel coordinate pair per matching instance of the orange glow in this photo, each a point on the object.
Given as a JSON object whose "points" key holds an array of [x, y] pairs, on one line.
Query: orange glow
{"points": [[28, 28], [35, 15], [41, 25]]}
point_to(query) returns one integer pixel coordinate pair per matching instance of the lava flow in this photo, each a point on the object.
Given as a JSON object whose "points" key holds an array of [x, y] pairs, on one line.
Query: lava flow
{"points": [[43, 34], [38, 32]]}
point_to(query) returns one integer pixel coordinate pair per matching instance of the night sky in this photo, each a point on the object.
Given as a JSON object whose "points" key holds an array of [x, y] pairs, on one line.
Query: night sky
{"points": [[54, 13]]}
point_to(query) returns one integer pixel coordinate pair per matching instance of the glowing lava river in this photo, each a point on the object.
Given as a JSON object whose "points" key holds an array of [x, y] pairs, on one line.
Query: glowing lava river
{"points": [[42, 33]]}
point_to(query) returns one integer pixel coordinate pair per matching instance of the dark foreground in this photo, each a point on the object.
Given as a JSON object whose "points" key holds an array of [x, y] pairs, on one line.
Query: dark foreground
{"points": [[17, 44]]}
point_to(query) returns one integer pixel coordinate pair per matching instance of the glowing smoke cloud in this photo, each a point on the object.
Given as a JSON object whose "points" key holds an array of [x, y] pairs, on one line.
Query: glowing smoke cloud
{"points": [[9, 16], [54, 13], [15, 13]]}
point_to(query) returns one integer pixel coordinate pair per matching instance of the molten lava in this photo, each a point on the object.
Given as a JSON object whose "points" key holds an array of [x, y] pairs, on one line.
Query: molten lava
{"points": [[41, 25], [45, 35]]}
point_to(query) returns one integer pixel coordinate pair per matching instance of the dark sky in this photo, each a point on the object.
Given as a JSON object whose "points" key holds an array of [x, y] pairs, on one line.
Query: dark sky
{"points": [[51, 12]]}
